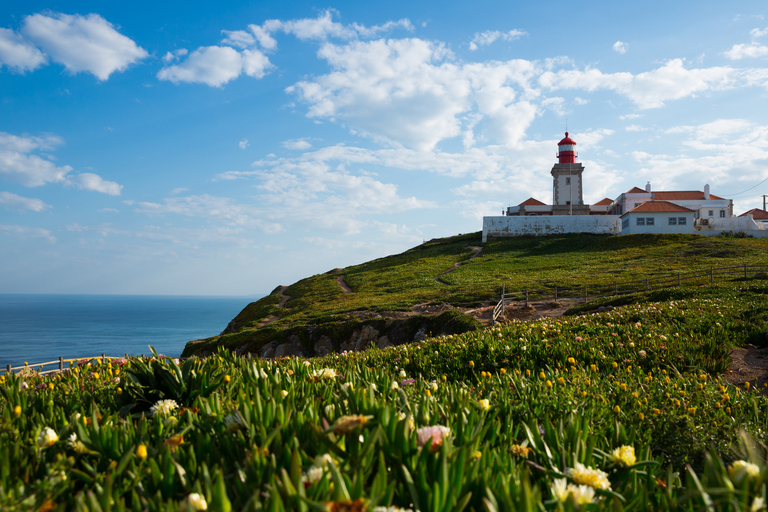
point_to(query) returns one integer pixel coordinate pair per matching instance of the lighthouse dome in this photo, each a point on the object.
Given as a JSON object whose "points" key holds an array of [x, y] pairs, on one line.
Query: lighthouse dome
{"points": [[567, 140]]}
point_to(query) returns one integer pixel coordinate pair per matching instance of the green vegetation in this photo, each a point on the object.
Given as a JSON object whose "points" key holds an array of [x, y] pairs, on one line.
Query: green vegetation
{"points": [[397, 283], [623, 410]]}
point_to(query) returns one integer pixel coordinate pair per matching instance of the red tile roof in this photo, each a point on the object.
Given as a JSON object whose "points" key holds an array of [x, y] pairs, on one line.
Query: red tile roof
{"points": [[659, 207], [682, 195], [635, 190], [604, 202], [756, 213], [531, 202]]}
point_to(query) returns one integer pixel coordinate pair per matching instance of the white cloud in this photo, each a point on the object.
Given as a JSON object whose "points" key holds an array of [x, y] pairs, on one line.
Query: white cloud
{"points": [[297, 144], [620, 47], [17, 53], [27, 232], [746, 51], [489, 36], [220, 209], [759, 32], [635, 128], [321, 28], [238, 38], [265, 40], [174, 55], [216, 65], [93, 182], [18, 203], [19, 164], [647, 90], [83, 43], [243, 144]]}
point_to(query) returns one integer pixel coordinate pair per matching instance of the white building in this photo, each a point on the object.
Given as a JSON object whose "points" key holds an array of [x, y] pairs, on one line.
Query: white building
{"points": [[658, 217]]}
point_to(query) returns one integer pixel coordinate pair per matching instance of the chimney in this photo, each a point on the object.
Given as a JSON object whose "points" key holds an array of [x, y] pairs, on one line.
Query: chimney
{"points": [[706, 192], [648, 187]]}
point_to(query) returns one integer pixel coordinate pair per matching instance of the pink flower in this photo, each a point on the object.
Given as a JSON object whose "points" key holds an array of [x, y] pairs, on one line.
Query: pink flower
{"points": [[578, 338], [437, 433]]}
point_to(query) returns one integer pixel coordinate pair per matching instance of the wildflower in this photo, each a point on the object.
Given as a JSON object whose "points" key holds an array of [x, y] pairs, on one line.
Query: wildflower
{"points": [[47, 437], [391, 508], [519, 450], [585, 475], [17, 410], [325, 373], [233, 422], [581, 494], [433, 385], [227, 379], [346, 424], [141, 451], [642, 353], [197, 501], [624, 456], [757, 504], [402, 374], [348, 387], [394, 385], [741, 470], [483, 404], [163, 407], [471, 364], [284, 393], [437, 433], [77, 445]]}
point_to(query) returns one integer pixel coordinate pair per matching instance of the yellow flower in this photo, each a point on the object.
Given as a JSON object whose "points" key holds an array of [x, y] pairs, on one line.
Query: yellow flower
{"points": [[119, 391], [742, 469], [227, 379], [197, 501], [477, 454], [616, 409], [141, 451], [17, 410], [585, 475], [50, 386], [549, 383], [542, 376], [624, 456], [503, 371], [691, 411], [519, 450], [471, 364], [571, 360], [347, 424], [560, 381], [483, 404]]}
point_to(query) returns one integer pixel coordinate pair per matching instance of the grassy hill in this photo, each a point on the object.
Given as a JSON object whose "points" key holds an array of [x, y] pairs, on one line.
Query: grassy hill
{"points": [[413, 287]]}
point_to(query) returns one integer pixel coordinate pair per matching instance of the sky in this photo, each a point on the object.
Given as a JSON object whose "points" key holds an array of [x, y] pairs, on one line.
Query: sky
{"points": [[227, 148]]}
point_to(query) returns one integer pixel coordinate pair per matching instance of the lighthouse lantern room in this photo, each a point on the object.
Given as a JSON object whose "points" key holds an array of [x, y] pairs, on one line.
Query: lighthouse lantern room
{"points": [[567, 196]]}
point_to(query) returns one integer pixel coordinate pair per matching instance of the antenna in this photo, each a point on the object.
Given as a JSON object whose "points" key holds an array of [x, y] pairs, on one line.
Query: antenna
{"points": [[566, 124]]}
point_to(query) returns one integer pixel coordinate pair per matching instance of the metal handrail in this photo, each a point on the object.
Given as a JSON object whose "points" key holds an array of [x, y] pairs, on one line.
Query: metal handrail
{"points": [[60, 362]]}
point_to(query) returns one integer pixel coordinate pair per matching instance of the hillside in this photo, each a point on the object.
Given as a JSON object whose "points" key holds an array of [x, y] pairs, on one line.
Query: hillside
{"points": [[449, 285]]}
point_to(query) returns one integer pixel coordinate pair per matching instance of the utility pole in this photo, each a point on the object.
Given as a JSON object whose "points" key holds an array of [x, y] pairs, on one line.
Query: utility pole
{"points": [[764, 196]]}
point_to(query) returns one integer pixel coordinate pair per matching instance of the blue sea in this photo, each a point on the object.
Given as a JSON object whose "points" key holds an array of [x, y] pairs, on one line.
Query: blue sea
{"points": [[40, 328]]}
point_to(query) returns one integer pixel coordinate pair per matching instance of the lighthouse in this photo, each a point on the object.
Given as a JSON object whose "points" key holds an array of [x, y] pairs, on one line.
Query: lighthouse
{"points": [[566, 180]]}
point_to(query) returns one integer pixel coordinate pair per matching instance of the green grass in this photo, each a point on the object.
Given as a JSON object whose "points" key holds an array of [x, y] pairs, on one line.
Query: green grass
{"points": [[398, 282]]}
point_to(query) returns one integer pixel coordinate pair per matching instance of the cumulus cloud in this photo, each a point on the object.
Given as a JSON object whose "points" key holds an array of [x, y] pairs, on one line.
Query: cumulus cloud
{"points": [[82, 43], [243, 144], [27, 232], [94, 183], [297, 144], [321, 28], [17, 53], [174, 55], [216, 65], [620, 47], [489, 36], [20, 163], [746, 51], [651, 89], [759, 32], [15, 202]]}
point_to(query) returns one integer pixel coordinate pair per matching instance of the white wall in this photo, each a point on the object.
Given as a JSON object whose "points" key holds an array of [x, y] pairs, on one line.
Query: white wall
{"points": [[732, 224], [660, 223], [539, 226]]}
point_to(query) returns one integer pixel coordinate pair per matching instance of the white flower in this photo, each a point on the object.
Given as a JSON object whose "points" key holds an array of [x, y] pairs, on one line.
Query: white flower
{"points": [[197, 501], [483, 404], [47, 437], [325, 373], [391, 508], [373, 386], [757, 504], [329, 410], [284, 393], [313, 474], [233, 422], [624, 456], [394, 385], [402, 374], [77, 445], [164, 407], [437, 433], [348, 387], [581, 494], [433, 385]]}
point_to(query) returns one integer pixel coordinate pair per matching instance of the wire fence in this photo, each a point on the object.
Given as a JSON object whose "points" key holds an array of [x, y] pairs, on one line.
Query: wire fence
{"points": [[586, 292]]}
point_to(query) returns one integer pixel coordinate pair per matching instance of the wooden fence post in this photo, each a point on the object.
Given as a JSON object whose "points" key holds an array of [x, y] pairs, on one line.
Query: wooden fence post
{"points": [[678, 279], [526, 298], [8, 370], [615, 288], [555, 293], [711, 276], [646, 284], [745, 271], [585, 294], [61, 363]]}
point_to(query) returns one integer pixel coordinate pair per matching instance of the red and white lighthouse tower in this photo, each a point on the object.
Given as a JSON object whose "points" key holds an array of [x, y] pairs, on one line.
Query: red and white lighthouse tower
{"points": [[566, 151], [566, 186]]}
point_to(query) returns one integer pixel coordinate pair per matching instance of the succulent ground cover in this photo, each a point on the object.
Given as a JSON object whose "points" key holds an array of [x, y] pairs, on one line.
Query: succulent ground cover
{"points": [[621, 410]]}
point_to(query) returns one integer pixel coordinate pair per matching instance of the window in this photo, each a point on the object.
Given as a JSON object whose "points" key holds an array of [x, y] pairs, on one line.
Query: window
{"points": [[649, 221], [641, 221], [625, 224], [711, 213], [673, 221], [636, 205], [722, 214], [567, 202], [567, 180], [681, 221]]}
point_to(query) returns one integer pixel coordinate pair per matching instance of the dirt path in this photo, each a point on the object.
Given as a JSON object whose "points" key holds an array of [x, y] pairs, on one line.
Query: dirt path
{"points": [[456, 265], [280, 305], [340, 280]]}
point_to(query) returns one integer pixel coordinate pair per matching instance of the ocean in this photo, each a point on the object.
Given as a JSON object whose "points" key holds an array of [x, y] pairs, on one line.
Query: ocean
{"points": [[40, 328]]}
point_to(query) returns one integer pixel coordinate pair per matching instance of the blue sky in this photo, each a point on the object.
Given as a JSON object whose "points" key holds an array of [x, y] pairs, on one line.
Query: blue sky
{"points": [[227, 148]]}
